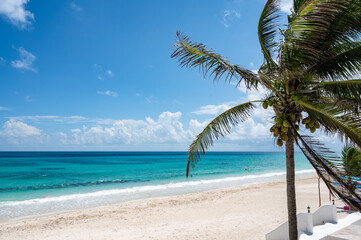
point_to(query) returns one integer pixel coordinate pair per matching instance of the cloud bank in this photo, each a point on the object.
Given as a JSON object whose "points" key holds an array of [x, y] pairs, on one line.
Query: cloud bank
{"points": [[166, 129]]}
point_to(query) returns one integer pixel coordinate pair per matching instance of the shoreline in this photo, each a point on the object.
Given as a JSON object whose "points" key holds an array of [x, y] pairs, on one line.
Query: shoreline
{"points": [[227, 213], [46, 206]]}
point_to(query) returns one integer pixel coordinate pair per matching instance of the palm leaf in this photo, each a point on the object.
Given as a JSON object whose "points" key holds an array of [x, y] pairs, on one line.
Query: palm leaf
{"points": [[267, 30], [298, 5], [309, 29], [343, 90], [327, 166], [343, 61], [191, 55], [351, 161], [334, 120], [218, 127], [315, 29], [267, 80]]}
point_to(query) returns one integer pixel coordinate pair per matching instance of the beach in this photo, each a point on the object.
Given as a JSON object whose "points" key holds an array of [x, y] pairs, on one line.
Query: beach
{"points": [[40, 183], [243, 212]]}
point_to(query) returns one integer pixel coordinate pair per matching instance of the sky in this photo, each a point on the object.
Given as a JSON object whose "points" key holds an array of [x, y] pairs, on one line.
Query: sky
{"points": [[97, 75]]}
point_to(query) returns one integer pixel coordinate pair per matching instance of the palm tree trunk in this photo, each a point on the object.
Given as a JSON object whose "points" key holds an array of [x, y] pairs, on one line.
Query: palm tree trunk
{"points": [[291, 191]]}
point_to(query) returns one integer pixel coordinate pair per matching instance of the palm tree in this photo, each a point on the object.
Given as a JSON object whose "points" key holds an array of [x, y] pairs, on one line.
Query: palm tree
{"points": [[351, 157], [309, 72]]}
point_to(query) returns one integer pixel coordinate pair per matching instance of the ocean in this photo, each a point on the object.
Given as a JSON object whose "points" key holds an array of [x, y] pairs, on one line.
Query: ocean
{"points": [[40, 183]]}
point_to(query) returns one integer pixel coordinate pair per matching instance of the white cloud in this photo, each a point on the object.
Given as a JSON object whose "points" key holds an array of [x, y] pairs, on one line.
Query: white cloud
{"points": [[214, 109], [4, 108], [17, 132], [250, 130], [252, 95], [15, 12], [166, 129], [108, 93], [13, 128], [255, 127], [64, 119], [62, 137], [75, 7], [262, 114], [110, 73], [26, 60], [229, 16], [286, 5], [196, 127], [2, 61], [28, 99], [52, 118]]}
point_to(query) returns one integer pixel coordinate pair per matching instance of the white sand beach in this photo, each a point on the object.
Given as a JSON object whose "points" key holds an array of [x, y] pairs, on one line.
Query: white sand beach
{"points": [[245, 212]]}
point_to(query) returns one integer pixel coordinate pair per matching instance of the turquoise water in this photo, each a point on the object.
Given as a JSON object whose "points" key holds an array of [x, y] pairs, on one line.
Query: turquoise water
{"points": [[32, 182]]}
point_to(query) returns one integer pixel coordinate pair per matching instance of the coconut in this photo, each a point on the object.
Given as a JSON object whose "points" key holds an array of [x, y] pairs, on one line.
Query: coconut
{"points": [[279, 120], [284, 137], [286, 124], [265, 105], [311, 124]]}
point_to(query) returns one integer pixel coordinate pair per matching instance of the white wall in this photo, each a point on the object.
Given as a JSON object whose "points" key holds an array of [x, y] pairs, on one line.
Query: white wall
{"points": [[325, 214], [305, 222]]}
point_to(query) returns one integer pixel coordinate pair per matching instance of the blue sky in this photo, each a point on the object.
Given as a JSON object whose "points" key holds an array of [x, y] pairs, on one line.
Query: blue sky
{"points": [[97, 75]]}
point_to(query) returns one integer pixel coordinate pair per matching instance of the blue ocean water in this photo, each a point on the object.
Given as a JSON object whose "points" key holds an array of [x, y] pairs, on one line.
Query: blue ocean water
{"points": [[34, 183]]}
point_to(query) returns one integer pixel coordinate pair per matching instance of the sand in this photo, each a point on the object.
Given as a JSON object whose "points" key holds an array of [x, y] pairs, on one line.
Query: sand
{"points": [[244, 212]]}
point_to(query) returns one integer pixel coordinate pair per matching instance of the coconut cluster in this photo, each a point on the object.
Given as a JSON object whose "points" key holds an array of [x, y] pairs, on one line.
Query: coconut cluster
{"points": [[265, 104], [311, 124], [280, 128], [282, 123]]}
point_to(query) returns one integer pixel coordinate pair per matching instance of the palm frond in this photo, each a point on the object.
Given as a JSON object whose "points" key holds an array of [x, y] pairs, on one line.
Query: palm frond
{"points": [[343, 90], [351, 157], [309, 28], [343, 61], [334, 120], [298, 5], [329, 167], [267, 80], [267, 30], [317, 27], [218, 127], [191, 55]]}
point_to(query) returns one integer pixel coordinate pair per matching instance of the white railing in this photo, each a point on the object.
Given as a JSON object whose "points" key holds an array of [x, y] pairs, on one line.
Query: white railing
{"points": [[306, 222]]}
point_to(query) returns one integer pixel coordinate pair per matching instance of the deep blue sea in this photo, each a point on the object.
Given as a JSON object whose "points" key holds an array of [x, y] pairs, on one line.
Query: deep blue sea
{"points": [[37, 183]]}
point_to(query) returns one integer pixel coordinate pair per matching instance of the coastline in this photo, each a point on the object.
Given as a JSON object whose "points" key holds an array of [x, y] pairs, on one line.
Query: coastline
{"points": [[240, 212], [37, 207]]}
